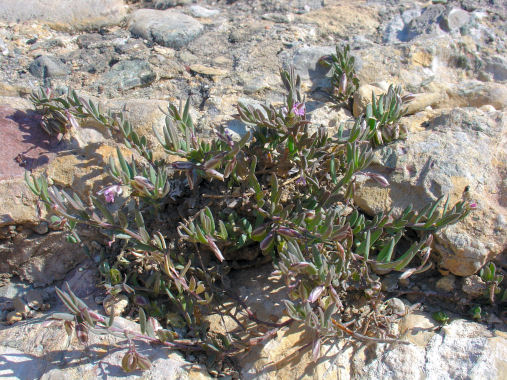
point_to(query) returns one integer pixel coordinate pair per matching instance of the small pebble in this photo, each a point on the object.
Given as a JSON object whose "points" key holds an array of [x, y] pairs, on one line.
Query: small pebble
{"points": [[14, 317], [474, 286], [115, 305], [446, 284]]}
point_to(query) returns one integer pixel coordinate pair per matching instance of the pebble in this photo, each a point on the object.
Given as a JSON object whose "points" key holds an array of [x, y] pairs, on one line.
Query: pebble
{"points": [[198, 11], [115, 305], [46, 66], [474, 286], [446, 283], [13, 317]]}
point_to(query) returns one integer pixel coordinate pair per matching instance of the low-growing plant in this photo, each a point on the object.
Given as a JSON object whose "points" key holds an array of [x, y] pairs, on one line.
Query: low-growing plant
{"points": [[344, 80], [490, 276], [384, 113], [279, 193]]}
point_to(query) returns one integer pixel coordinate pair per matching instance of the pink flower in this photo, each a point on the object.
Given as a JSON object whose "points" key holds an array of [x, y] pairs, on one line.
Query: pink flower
{"points": [[110, 192], [299, 109]]}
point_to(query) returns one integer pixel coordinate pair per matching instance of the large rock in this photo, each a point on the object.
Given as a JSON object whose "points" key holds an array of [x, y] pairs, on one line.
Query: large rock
{"points": [[444, 155], [460, 350], [66, 14], [48, 67], [25, 146], [38, 349], [166, 28]]}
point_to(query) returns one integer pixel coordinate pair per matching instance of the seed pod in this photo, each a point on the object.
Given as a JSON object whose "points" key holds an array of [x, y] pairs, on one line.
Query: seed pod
{"points": [[183, 165], [214, 174], [215, 249], [82, 333], [407, 98], [259, 233], [289, 232], [268, 242]]}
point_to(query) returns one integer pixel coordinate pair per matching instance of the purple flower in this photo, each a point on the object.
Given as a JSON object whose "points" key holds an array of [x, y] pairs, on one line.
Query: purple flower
{"points": [[110, 192], [299, 109]]}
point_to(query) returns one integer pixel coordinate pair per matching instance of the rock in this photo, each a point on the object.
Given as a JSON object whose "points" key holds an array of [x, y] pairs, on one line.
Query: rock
{"points": [[201, 12], [34, 299], [13, 317], [362, 97], [474, 286], [497, 66], [397, 306], [167, 28], [305, 61], [129, 74], [422, 101], [454, 19], [339, 20], [456, 149], [42, 228], [39, 259], [418, 328], [277, 17], [115, 304], [329, 116], [82, 14], [446, 283], [26, 147], [38, 349], [212, 72], [20, 306], [164, 4], [477, 94], [423, 25], [48, 67]]}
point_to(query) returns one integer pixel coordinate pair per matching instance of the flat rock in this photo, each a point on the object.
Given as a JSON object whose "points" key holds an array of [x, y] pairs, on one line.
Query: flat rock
{"points": [[129, 74], [48, 67], [167, 28], [38, 349], [66, 14], [25, 147]]}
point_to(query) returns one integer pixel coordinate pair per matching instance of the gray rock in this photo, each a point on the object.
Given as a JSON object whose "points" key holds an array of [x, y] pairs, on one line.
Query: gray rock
{"points": [[198, 11], [164, 4], [497, 67], [46, 66], [167, 28], [425, 24], [474, 286], [39, 259], [454, 19], [68, 14], [129, 74]]}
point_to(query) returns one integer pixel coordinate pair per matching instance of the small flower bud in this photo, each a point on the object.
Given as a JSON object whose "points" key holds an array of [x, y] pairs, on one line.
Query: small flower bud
{"points": [[183, 165], [315, 294]]}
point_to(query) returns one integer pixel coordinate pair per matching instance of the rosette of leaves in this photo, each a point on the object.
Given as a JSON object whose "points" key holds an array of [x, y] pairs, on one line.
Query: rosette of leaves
{"points": [[343, 74], [383, 114], [490, 276]]}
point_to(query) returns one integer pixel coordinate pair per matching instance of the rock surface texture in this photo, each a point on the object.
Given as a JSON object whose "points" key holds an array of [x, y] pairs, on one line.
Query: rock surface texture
{"points": [[135, 56]]}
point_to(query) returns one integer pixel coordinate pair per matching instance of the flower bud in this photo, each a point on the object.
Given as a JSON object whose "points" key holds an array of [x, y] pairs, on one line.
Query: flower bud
{"points": [[215, 249], [343, 84], [214, 174], [289, 232], [268, 242], [315, 294], [183, 165]]}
